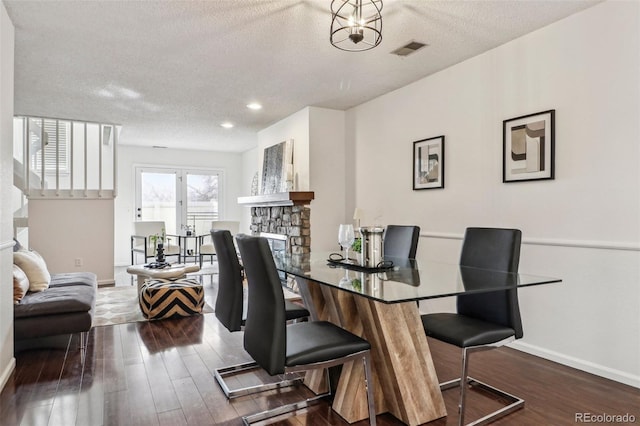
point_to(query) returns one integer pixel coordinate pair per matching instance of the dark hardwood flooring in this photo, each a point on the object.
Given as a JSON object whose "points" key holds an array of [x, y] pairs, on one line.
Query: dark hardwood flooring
{"points": [[160, 373]]}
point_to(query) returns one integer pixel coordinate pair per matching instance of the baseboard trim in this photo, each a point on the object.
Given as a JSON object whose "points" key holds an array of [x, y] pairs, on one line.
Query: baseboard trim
{"points": [[106, 283], [4, 378], [580, 364], [602, 245]]}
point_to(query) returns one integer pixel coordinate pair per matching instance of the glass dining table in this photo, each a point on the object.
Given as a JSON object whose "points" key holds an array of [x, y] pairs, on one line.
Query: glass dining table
{"points": [[380, 305]]}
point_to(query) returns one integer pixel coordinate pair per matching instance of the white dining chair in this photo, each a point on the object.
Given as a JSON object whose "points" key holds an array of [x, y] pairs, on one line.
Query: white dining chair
{"points": [[143, 241], [206, 247]]}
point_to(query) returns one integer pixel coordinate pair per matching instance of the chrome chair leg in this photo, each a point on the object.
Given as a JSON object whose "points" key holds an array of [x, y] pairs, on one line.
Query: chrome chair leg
{"points": [[83, 340], [82, 346], [515, 403], [279, 411], [221, 373], [463, 386], [369, 384], [290, 408]]}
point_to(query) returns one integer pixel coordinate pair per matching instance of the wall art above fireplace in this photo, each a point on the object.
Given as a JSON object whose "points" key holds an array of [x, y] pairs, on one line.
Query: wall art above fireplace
{"points": [[277, 168]]}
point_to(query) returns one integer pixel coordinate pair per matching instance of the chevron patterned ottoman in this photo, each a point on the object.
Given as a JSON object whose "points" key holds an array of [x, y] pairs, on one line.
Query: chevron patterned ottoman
{"points": [[162, 298]]}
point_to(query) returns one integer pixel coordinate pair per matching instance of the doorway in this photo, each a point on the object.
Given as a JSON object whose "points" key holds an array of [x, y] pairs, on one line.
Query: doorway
{"points": [[185, 199]]}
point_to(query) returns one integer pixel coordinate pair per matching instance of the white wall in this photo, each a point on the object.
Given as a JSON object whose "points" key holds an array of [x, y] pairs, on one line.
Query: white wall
{"points": [[130, 156], [319, 166], [327, 177], [586, 67], [65, 230], [250, 167], [7, 361], [295, 127]]}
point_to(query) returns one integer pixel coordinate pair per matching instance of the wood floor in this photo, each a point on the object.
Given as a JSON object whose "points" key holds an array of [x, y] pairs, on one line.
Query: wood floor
{"points": [[160, 373]]}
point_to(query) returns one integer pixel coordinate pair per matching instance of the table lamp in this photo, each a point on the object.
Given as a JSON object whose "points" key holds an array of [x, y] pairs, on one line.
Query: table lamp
{"points": [[358, 215]]}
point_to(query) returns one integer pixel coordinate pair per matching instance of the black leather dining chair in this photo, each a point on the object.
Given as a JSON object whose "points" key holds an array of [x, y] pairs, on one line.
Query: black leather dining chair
{"points": [[229, 301], [483, 320], [401, 241], [279, 347], [229, 311]]}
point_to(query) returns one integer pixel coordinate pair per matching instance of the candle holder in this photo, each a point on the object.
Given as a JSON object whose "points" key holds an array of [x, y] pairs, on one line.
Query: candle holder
{"points": [[160, 253]]}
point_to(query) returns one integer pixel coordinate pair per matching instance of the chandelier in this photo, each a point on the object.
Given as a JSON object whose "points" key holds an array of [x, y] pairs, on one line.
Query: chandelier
{"points": [[356, 25]]}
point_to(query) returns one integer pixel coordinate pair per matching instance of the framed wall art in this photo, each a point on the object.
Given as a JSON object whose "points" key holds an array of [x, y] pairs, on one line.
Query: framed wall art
{"points": [[428, 163], [277, 168], [528, 147]]}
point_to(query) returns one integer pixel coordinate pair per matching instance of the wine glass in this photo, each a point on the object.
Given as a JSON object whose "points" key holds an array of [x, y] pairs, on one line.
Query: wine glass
{"points": [[346, 237], [346, 280]]}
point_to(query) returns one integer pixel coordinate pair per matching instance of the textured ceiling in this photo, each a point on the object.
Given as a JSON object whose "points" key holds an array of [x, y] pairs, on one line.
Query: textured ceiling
{"points": [[171, 71]]}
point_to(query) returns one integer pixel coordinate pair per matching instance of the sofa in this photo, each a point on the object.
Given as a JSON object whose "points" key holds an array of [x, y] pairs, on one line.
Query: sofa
{"points": [[47, 304], [66, 306]]}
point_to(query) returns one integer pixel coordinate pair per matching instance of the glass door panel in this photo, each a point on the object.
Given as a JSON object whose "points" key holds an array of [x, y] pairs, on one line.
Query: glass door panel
{"points": [[202, 207], [186, 200], [158, 197]]}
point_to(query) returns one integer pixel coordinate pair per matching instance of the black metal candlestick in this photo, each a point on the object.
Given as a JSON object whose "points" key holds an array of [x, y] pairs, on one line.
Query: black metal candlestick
{"points": [[160, 253]]}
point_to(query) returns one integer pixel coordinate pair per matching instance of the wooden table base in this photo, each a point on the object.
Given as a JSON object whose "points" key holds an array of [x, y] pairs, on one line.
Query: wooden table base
{"points": [[405, 381]]}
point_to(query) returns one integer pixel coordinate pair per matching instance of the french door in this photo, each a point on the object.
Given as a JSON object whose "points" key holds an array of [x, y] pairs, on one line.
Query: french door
{"points": [[185, 199]]}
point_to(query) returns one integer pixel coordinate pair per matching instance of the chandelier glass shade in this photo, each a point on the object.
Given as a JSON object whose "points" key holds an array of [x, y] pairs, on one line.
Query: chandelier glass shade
{"points": [[356, 25]]}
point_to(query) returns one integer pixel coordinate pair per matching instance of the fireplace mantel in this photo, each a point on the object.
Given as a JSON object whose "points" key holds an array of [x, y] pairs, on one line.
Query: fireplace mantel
{"points": [[291, 198]]}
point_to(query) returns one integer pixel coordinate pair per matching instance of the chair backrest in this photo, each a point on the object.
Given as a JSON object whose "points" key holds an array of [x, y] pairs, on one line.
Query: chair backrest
{"points": [[230, 225], [148, 228], [496, 249], [265, 336], [229, 298], [401, 241]]}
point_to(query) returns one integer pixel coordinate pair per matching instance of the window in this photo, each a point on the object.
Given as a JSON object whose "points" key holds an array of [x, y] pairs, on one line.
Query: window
{"points": [[56, 150]]}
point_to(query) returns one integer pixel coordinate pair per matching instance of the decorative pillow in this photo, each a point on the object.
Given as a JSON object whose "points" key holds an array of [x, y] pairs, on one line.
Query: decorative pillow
{"points": [[20, 284], [35, 267]]}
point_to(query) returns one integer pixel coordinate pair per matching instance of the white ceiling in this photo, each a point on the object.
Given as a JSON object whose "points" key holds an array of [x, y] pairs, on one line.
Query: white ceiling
{"points": [[171, 71]]}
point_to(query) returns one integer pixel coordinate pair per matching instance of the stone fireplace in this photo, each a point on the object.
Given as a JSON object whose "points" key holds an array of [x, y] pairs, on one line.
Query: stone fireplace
{"points": [[284, 219], [293, 222], [284, 214]]}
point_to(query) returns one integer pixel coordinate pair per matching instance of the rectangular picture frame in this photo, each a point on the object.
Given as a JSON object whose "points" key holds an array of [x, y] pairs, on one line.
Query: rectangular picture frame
{"points": [[277, 167], [428, 163], [528, 147]]}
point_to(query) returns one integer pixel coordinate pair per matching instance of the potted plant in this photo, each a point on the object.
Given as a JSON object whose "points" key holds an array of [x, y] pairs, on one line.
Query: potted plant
{"points": [[157, 239], [357, 245]]}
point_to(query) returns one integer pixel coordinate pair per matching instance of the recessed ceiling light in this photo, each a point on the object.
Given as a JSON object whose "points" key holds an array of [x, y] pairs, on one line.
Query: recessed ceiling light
{"points": [[254, 106], [227, 125]]}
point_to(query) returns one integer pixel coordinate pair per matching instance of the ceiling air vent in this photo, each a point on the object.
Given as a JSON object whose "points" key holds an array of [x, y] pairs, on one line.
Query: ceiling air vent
{"points": [[409, 48]]}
